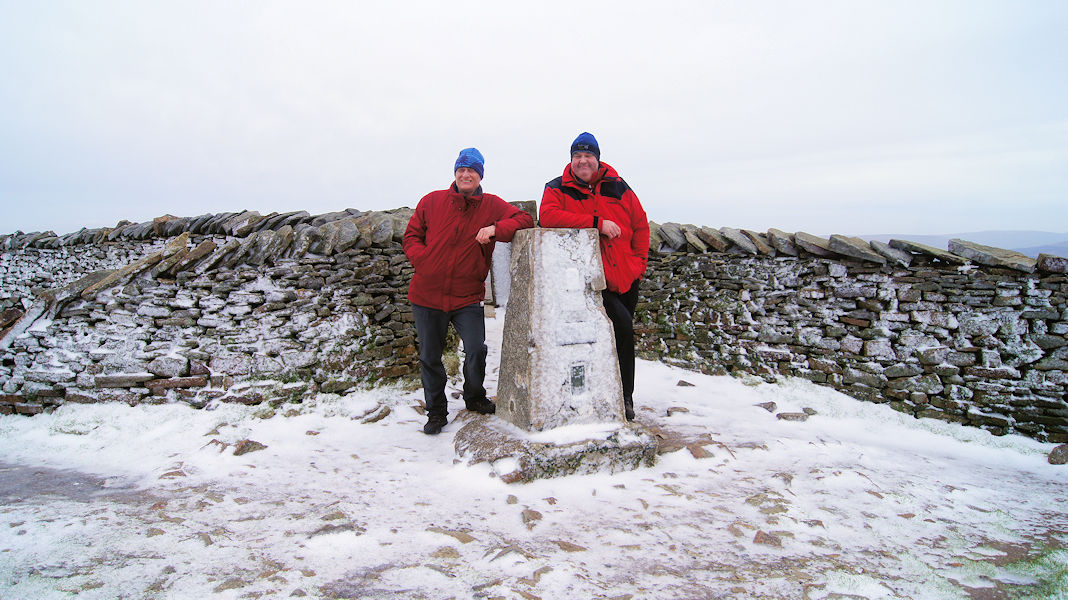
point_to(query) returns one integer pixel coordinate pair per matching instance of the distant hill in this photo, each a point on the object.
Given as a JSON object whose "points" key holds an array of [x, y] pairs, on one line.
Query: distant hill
{"points": [[1059, 249], [1031, 243]]}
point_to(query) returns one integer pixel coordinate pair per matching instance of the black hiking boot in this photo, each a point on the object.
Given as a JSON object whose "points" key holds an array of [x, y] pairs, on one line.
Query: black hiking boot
{"points": [[628, 408], [433, 425], [483, 406]]}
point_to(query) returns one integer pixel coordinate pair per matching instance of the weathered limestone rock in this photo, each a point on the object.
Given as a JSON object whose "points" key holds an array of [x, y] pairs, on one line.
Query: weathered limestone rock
{"points": [[50, 376], [401, 216], [122, 275], [855, 248], [814, 245], [243, 224], [992, 257], [217, 256], [335, 236], [176, 245], [334, 216], [217, 223], [278, 220], [376, 227], [9, 316], [895, 256], [656, 241], [165, 265], [713, 239], [760, 242], [202, 250], [739, 239], [140, 231], [902, 370], [173, 227], [520, 457], [119, 228], [159, 387], [529, 206], [196, 224], [1059, 455], [246, 446], [931, 251], [346, 235], [558, 363], [122, 380], [263, 246], [304, 236], [50, 303], [1052, 264], [694, 241], [169, 366], [673, 236], [782, 241]]}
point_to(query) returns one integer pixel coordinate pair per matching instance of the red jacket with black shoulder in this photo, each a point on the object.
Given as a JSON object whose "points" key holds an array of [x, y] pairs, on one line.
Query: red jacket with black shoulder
{"points": [[450, 265], [570, 202]]}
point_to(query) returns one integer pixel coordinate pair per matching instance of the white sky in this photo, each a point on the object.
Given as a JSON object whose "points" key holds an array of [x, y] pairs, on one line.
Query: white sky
{"points": [[867, 502], [829, 117]]}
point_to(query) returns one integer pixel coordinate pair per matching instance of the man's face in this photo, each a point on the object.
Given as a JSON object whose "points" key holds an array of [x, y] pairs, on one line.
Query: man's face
{"points": [[584, 165], [467, 180]]}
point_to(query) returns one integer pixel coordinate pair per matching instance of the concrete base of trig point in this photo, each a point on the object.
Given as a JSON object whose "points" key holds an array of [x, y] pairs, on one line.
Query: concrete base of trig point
{"points": [[517, 456], [559, 400]]}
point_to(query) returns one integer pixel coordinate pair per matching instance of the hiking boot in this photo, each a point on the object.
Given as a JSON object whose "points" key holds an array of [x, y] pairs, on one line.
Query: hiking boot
{"points": [[628, 408], [482, 406], [433, 425]]}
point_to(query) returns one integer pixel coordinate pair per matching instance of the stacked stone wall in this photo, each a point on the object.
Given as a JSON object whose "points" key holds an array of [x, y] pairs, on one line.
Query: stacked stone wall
{"points": [[235, 325], [25, 272], [270, 309], [984, 346]]}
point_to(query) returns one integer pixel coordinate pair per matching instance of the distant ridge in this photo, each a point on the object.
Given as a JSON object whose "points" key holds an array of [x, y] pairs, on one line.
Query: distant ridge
{"points": [[1060, 249], [1030, 243]]}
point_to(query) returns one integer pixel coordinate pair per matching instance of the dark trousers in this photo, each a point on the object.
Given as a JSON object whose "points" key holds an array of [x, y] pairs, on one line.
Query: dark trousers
{"points": [[620, 309], [431, 325]]}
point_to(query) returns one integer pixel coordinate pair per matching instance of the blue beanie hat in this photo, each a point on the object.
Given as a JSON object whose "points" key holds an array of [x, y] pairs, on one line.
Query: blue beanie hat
{"points": [[585, 142], [472, 158]]}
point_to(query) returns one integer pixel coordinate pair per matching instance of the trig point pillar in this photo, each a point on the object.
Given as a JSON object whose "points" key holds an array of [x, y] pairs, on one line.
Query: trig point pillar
{"points": [[558, 369], [558, 359]]}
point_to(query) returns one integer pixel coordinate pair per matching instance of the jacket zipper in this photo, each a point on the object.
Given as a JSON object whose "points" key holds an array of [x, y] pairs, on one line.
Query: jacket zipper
{"points": [[596, 212]]}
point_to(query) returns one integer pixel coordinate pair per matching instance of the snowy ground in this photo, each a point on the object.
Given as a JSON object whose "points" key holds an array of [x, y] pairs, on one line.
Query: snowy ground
{"points": [[109, 501]]}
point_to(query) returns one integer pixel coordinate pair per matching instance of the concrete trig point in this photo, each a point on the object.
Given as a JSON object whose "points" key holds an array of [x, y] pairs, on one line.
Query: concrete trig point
{"points": [[558, 359], [558, 369]]}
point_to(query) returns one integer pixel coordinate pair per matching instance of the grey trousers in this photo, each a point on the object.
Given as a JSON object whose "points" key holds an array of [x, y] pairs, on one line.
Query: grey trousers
{"points": [[431, 325]]}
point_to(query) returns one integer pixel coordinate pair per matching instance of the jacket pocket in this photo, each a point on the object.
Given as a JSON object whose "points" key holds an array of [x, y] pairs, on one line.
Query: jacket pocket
{"points": [[469, 271]]}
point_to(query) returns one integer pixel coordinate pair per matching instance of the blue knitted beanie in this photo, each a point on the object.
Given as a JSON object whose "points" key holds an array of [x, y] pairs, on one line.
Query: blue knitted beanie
{"points": [[585, 142], [471, 158]]}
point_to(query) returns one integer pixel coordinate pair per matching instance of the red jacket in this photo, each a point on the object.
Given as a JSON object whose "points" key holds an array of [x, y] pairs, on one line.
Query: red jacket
{"points": [[450, 266], [569, 202]]}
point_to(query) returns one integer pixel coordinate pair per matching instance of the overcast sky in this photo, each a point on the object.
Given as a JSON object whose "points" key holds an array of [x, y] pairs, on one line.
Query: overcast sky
{"points": [[848, 116]]}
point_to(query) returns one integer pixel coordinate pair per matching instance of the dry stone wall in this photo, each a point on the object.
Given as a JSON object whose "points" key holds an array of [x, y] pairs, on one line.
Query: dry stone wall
{"points": [[215, 309], [931, 332], [269, 309], [28, 271]]}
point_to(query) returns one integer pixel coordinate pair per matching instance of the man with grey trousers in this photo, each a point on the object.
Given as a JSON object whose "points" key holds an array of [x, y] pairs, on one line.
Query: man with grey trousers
{"points": [[449, 241]]}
